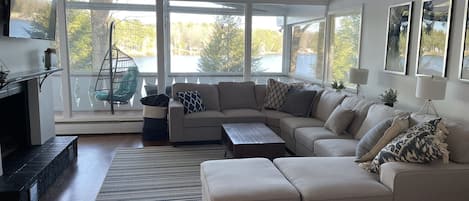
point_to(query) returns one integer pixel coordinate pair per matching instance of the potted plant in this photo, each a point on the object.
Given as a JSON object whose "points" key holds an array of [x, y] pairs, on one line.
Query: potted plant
{"points": [[3, 70], [389, 97], [338, 85]]}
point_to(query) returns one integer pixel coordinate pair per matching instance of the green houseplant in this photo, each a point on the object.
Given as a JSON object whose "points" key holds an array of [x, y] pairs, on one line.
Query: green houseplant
{"points": [[338, 85], [389, 97]]}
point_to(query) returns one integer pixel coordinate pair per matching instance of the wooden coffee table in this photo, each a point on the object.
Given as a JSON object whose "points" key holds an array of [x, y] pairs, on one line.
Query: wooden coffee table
{"points": [[246, 140]]}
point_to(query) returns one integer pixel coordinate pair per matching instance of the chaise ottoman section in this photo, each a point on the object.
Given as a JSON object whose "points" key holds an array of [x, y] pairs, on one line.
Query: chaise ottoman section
{"points": [[252, 179], [332, 179]]}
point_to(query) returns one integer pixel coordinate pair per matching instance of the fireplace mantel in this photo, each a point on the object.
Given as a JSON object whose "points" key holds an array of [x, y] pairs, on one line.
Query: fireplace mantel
{"points": [[27, 75]]}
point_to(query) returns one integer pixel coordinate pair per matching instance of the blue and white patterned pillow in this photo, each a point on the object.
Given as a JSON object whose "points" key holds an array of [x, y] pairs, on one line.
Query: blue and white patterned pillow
{"points": [[192, 101], [421, 143]]}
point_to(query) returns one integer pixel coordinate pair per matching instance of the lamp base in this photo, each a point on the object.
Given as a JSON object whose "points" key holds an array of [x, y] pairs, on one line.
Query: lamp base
{"points": [[428, 107]]}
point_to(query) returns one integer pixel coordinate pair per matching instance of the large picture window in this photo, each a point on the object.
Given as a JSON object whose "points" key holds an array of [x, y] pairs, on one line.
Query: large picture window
{"points": [[307, 50], [344, 45], [207, 43]]}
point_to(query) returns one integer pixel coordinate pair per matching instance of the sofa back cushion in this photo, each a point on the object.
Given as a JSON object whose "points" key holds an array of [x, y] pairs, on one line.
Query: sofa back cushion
{"points": [[327, 103], [458, 138], [237, 95], [208, 93], [260, 95], [376, 114], [360, 110], [314, 105]]}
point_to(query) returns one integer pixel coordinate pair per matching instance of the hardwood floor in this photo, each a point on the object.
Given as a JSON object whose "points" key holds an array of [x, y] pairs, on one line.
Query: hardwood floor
{"points": [[82, 181]]}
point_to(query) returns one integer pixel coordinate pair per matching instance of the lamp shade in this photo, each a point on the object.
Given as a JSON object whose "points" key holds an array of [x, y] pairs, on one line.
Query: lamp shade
{"points": [[358, 76], [430, 88]]}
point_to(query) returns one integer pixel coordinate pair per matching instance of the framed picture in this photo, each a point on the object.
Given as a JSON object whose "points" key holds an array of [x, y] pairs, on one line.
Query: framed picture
{"points": [[397, 42], [435, 21], [464, 68]]}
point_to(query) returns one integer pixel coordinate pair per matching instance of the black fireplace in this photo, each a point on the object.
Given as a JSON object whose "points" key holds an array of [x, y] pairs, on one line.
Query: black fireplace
{"points": [[14, 117], [31, 158]]}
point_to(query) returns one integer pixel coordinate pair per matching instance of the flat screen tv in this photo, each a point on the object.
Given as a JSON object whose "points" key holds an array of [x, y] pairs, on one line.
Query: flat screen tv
{"points": [[34, 19]]}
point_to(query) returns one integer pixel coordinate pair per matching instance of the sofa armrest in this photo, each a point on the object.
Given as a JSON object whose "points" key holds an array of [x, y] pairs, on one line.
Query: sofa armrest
{"points": [[175, 120], [430, 182]]}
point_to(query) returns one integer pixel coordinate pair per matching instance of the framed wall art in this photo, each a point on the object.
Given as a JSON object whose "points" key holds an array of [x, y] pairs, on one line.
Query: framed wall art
{"points": [[397, 39], [435, 20], [464, 68]]}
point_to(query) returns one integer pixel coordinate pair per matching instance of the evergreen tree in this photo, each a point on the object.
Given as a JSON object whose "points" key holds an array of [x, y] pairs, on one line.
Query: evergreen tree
{"points": [[225, 51]]}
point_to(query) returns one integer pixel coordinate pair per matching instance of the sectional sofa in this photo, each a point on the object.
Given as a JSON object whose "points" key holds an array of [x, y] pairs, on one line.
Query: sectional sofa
{"points": [[329, 173]]}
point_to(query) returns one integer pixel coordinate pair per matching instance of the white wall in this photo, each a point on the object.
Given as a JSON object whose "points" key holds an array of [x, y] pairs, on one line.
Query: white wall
{"points": [[372, 57]]}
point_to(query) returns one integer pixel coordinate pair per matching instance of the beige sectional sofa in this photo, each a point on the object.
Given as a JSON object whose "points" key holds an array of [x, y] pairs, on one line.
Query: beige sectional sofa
{"points": [[332, 174]]}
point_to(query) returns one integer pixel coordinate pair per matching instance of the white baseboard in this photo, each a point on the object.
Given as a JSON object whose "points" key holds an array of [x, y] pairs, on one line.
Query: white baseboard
{"points": [[98, 127]]}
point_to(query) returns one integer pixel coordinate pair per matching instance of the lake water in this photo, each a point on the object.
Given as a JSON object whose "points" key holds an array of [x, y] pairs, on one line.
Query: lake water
{"points": [[189, 64]]}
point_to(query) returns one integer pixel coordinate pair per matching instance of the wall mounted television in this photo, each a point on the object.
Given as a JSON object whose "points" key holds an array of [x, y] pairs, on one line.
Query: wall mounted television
{"points": [[34, 19]]}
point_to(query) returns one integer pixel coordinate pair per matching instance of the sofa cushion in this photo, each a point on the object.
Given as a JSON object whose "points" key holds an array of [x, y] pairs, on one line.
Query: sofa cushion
{"points": [[208, 93], [376, 114], [243, 116], [191, 101], [335, 147], [308, 135], [327, 103], [314, 105], [298, 102], [203, 119], [289, 124], [260, 95], [372, 137], [332, 179], [273, 117], [360, 110], [339, 120], [237, 95], [422, 143], [253, 179]]}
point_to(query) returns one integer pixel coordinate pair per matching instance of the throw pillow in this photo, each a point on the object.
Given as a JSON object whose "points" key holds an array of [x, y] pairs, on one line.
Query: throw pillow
{"points": [[372, 137], [339, 120], [298, 102], [275, 94], [191, 101], [399, 124], [422, 143]]}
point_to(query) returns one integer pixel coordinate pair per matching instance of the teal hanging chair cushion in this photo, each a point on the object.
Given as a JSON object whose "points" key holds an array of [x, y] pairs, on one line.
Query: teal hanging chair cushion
{"points": [[126, 89]]}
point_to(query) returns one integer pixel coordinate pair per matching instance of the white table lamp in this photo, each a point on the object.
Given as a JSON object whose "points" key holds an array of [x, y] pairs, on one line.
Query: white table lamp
{"points": [[430, 88], [358, 76]]}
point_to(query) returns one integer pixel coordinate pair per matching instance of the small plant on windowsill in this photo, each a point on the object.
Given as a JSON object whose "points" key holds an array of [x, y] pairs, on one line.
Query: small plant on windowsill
{"points": [[3, 70], [338, 85], [389, 97]]}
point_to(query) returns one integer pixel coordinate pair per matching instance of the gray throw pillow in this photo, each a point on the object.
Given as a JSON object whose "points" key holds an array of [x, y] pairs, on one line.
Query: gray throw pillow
{"points": [[298, 102], [339, 120], [275, 94], [372, 137]]}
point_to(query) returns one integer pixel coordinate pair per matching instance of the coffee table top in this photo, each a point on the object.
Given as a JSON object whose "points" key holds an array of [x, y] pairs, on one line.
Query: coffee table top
{"points": [[251, 133]]}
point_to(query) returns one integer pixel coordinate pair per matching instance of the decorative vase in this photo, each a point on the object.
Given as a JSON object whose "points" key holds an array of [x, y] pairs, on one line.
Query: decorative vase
{"points": [[389, 104]]}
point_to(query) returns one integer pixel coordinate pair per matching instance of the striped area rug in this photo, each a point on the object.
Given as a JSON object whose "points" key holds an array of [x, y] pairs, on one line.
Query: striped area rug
{"points": [[157, 173]]}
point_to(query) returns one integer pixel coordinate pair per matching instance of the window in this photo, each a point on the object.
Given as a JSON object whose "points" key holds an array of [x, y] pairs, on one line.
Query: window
{"points": [[344, 45], [267, 44], [88, 39], [207, 43], [307, 50]]}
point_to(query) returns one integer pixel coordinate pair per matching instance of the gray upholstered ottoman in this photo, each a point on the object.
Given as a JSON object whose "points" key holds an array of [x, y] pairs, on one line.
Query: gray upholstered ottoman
{"points": [[252, 179]]}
